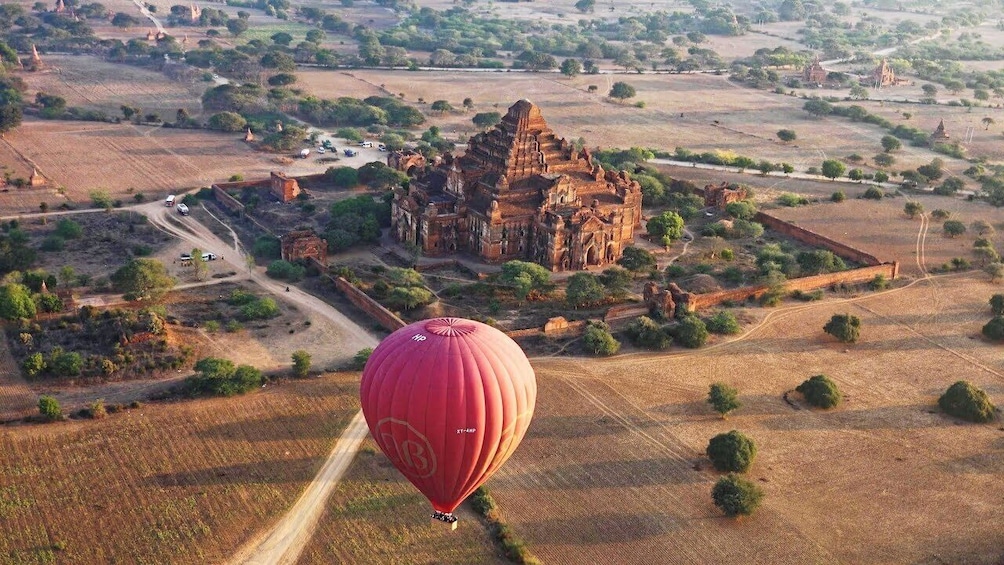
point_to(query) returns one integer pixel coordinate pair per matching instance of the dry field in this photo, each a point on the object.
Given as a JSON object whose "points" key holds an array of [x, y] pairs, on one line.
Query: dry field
{"points": [[747, 119], [166, 483], [376, 516], [612, 469], [96, 84], [86, 156]]}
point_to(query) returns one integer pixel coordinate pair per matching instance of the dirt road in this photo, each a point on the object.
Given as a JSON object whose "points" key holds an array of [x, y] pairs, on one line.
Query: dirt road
{"points": [[284, 541], [287, 538]]}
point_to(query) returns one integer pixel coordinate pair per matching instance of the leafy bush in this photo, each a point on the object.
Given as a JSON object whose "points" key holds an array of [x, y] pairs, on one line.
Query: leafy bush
{"points": [[691, 332], [599, 341], [68, 229], [53, 243], [723, 323], [736, 496], [820, 391], [221, 378], [360, 358], [33, 364], [301, 363], [994, 329], [731, 451], [723, 398], [873, 193], [966, 401], [838, 196], [65, 363], [792, 200], [49, 408], [260, 309], [845, 327], [997, 304], [645, 332], [284, 270]]}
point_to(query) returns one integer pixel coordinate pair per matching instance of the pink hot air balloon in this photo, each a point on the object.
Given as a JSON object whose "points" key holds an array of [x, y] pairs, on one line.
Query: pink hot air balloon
{"points": [[448, 400]]}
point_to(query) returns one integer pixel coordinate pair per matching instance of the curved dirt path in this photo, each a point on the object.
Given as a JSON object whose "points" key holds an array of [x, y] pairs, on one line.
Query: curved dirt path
{"points": [[146, 14], [285, 540]]}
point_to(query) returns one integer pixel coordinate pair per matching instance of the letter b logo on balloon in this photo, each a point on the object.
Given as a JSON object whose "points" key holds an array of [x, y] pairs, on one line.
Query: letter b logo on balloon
{"points": [[408, 449]]}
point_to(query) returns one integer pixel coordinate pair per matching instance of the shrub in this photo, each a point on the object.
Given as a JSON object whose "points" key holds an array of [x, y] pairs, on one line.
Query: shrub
{"points": [[723, 323], [731, 452], [49, 408], [691, 332], [360, 358], [736, 496], [233, 326], [645, 332], [68, 229], [845, 327], [878, 283], [65, 364], [838, 196], [219, 377], [211, 326], [966, 401], [820, 391], [997, 304], [301, 363], [723, 398], [33, 364], [792, 200], [260, 309], [599, 341], [284, 270], [96, 410], [873, 193], [954, 228], [994, 329], [53, 243]]}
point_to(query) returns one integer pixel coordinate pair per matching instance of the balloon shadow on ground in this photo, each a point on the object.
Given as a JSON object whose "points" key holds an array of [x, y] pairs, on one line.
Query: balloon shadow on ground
{"points": [[619, 474], [602, 528], [284, 428], [269, 472]]}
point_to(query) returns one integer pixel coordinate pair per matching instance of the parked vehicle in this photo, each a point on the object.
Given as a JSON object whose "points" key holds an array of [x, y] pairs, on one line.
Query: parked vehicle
{"points": [[382, 147], [328, 145], [366, 144], [321, 150], [304, 153], [350, 152], [169, 201], [186, 257], [182, 209], [208, 256]]}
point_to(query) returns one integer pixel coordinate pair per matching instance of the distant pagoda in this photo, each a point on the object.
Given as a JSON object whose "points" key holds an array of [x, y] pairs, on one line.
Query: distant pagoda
{"points": [[939, 135]]}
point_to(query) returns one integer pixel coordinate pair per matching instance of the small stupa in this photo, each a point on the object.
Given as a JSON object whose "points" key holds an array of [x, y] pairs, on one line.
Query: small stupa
{"points": [[248, 137], [939, 135], [36, 179]]}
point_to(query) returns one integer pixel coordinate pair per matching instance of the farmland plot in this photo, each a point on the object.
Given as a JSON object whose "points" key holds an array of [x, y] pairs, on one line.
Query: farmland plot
{"points": [[613, 466], [166, 483]]}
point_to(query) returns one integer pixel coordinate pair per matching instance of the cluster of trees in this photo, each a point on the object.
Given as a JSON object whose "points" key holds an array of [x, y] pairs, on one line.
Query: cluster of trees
{"points": [[403, 288], [731, 159], [220, 377], [689, 330], [733, 452], [356, 220]]}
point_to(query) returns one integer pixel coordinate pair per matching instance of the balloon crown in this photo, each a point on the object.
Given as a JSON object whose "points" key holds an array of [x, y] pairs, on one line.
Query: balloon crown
{"points": [[450, 327]]}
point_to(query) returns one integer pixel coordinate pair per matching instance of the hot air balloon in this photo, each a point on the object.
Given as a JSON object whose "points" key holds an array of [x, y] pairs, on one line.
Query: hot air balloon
{"points": [[448, 400]]}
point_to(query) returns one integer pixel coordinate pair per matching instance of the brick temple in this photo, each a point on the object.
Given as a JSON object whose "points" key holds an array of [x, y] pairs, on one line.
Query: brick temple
{"points": [[519, 192]]}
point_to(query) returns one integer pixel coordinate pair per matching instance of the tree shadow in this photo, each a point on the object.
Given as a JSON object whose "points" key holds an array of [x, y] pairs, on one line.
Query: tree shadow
{"points": [[578, 427], [620, 474], [887, 417], [752, 404], [269, 472], [283, 428], [602, 528]]}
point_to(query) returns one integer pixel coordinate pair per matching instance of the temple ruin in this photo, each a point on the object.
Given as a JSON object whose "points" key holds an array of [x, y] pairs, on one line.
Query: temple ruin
{"points": [[519, 192]]}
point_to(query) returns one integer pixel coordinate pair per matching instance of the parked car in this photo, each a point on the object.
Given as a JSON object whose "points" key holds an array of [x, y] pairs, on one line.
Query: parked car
{"points": [[208, 256], [350, 152], [186, 257], [382, 147], [321, 150], [366, 144], [182, 209]]}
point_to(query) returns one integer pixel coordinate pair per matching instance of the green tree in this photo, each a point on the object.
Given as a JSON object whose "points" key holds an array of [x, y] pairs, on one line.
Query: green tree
{"points": [[723, 398], [723, 323], [742, 210], [141, 279], [994, 329], [441, 106], [285, 270], [227, 121], [622, 91], [832, 168], [583, 289], [995, 270], [997, 304], [342, 177], [665, 227], [691, 332], [859, 92], [637, 259], [282, 38], [598, 340], [524, 277], [820, 391], [486, 120], [818, 108], [890, 144], [873, 193], [237, 26], [359, 360], [845, 327], [199, 265], [954, 228], [571, 67], [913, 209], [49, 408], [787, 135], [735, 495], [68, 229], [929, 90], [731, 452], [409, 297], [616, 280], [585, 6], [838, 196], [646, 332], [16, 302], [301, 363], [220, 377], [966, 401], [884, 160]]}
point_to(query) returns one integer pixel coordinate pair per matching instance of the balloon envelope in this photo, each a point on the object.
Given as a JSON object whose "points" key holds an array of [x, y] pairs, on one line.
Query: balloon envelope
{"points": [[448, 400]]}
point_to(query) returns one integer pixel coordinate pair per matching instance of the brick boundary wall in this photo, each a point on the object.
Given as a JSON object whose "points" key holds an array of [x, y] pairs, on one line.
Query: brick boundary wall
{"points": [[235, 206], [816, 240], [696, 302]]}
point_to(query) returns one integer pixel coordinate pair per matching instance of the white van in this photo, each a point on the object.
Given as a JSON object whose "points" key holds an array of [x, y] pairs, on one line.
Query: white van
{"points": [[182, 209], [169, 201], [366, 143]]}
